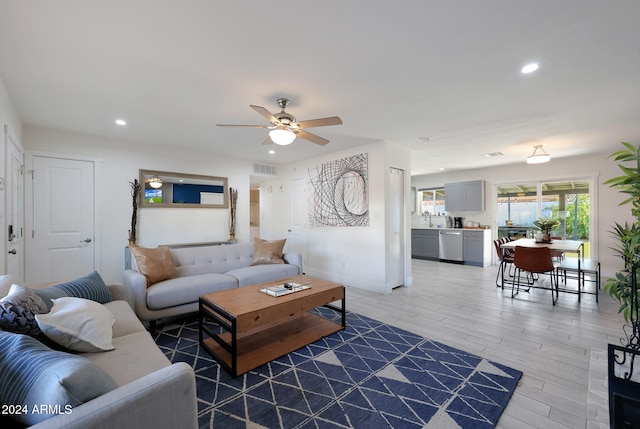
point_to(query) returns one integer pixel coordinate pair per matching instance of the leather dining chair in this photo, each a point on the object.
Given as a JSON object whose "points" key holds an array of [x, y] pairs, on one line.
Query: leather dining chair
{"points": [[557, 255], [505, 256], [535, 260]]}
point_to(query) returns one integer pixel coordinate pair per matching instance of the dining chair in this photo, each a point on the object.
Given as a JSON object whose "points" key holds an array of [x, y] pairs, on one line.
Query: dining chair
{"points": [[505, 256], [585, 267], [535, 260], [557, 255]]}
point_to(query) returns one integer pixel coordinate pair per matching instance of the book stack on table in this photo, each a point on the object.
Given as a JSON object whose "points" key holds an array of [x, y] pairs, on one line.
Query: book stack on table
{"points": [[285, 288]]}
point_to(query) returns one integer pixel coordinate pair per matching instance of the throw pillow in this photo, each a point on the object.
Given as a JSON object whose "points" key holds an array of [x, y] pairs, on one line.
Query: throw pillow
{"points": [[78, 324], [155, 264], [90, 287], [33, 375], [267, 252], [18, 310]]}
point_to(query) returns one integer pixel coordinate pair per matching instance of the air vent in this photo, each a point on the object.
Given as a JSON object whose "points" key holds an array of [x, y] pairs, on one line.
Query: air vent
{"points": [[265, 169], [492, 154]]}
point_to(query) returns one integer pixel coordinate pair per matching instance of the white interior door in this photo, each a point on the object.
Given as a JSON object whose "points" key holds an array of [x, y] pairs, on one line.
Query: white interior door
{"points": [[63, 219], [297, 230], [14, 205], [395, 269]]}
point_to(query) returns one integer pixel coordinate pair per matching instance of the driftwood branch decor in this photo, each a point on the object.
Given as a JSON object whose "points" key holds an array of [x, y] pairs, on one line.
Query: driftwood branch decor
{"points": [[135, 198], [233, 202]]}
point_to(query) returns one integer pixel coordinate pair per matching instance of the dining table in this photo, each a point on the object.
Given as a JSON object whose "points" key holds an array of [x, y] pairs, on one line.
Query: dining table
{"points": [[565, 246]]}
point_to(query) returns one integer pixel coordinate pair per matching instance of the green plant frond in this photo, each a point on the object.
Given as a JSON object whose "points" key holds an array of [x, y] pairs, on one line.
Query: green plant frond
{"points": [[624, 156], [622, 203], [631, 147], [621, 287]]}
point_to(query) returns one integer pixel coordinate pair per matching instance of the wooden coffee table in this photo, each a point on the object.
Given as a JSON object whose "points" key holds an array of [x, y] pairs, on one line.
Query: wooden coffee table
{"points": [[259, 328]]}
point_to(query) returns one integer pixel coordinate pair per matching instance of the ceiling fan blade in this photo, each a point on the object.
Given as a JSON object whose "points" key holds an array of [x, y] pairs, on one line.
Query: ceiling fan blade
{"points": [[264, 112], [322, 122], [247, 126], [311, 137]]}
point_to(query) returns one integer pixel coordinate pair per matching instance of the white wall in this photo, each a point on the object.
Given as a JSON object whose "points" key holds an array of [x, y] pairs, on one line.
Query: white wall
{"points": [[354, 256], [596, 167], [9, 117], [121, 161]]}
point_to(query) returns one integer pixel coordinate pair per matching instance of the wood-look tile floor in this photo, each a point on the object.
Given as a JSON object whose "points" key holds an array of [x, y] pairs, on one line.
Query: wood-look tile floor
{"points": [[460, 306]]}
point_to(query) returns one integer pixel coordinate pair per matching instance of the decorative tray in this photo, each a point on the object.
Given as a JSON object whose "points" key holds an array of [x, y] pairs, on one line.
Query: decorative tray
{"points": [[285, 288]]}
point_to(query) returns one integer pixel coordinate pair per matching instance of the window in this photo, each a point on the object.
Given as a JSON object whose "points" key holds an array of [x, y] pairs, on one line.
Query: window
{"points": [[432, 201]]}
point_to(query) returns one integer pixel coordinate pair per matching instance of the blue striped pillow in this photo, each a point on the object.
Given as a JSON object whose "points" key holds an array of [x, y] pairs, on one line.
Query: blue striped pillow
{"points": [[32, 376], [90, 287]]}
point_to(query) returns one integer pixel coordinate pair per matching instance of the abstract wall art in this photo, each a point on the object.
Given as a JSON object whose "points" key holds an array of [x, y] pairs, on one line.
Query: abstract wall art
{"points": [[339, 194]]}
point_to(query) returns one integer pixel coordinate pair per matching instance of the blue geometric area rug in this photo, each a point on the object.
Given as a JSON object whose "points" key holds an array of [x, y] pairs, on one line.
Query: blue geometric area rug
{"points": [[371, 375]]}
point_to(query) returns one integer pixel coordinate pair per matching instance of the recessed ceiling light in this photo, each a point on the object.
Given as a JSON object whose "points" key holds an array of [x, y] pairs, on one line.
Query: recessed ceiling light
{"points": [[121, 122], [529, 68], [441, 168], [271, 151]]}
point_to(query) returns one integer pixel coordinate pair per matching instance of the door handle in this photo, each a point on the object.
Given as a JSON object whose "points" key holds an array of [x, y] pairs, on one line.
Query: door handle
{"points": [[86, 240], [13, 251]]}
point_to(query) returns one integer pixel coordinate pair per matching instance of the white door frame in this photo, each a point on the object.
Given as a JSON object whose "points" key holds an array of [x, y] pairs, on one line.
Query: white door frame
{"points": [[297, 232], [29, 219], [397, 214], [13, 147]]}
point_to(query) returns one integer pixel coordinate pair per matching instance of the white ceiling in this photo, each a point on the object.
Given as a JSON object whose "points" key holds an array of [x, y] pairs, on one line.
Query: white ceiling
{"points": [[396, 71]]}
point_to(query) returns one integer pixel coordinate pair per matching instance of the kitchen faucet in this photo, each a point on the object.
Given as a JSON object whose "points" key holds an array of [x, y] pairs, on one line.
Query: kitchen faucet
{"points": [[425, 214]]}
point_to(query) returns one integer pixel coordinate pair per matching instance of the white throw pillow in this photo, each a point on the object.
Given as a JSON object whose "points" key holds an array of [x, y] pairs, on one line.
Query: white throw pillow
{"points": [[78, 324]]}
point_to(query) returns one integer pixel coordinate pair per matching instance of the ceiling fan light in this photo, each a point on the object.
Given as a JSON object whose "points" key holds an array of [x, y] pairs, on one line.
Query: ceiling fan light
{"points": [[155, 182], [538, 156], [282, 136]]}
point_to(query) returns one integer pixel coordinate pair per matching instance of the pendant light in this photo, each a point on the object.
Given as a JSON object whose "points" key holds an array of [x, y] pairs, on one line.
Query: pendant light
{"points": [[538, 156]]}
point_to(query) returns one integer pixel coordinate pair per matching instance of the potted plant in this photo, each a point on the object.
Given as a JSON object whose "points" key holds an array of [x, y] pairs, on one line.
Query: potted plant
{"points": [[622, 379], [545, 225], [623, 287]]}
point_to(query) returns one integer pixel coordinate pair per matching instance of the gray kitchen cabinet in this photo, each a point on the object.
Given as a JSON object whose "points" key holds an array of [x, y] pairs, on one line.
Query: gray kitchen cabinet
{"points": [[453, 196], [424, 244], [464, 196], [477, 247], [416, 243]]}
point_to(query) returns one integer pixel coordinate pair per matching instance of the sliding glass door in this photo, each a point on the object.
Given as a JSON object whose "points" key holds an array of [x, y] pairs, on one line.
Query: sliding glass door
{"points": [[569, 201]]}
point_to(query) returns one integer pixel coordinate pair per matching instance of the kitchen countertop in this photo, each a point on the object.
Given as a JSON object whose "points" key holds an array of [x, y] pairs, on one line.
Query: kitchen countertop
{"points": [[448, 229]]}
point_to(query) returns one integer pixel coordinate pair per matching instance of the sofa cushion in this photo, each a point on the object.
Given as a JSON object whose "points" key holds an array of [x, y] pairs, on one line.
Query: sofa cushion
{"points": [[78, 324], [126, 320], [263, 273], [267, 252], [155, 264], [191, 261], [135, 355], [33, 375], [6, 281], [18, 310], [90, 287], [185, 290]]}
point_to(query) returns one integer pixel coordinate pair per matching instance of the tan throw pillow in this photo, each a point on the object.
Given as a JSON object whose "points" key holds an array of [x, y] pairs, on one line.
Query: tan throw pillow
{"points": [[267, 252], [155, 264]]}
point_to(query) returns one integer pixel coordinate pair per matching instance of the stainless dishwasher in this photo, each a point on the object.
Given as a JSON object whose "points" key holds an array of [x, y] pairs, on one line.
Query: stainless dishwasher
{"points": [[451, 245]]}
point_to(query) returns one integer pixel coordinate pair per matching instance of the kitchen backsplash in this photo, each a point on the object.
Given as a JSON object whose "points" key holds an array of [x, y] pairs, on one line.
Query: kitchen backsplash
{"points": [[477, 219]]}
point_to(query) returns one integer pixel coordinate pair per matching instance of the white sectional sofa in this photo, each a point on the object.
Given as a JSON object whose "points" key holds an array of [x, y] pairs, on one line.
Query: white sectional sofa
{"points": [[200, 270], [150, 392]]}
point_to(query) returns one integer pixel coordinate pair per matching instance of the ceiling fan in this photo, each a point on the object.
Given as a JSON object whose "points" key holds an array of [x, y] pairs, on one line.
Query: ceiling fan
{"points": [[285, 128]]}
